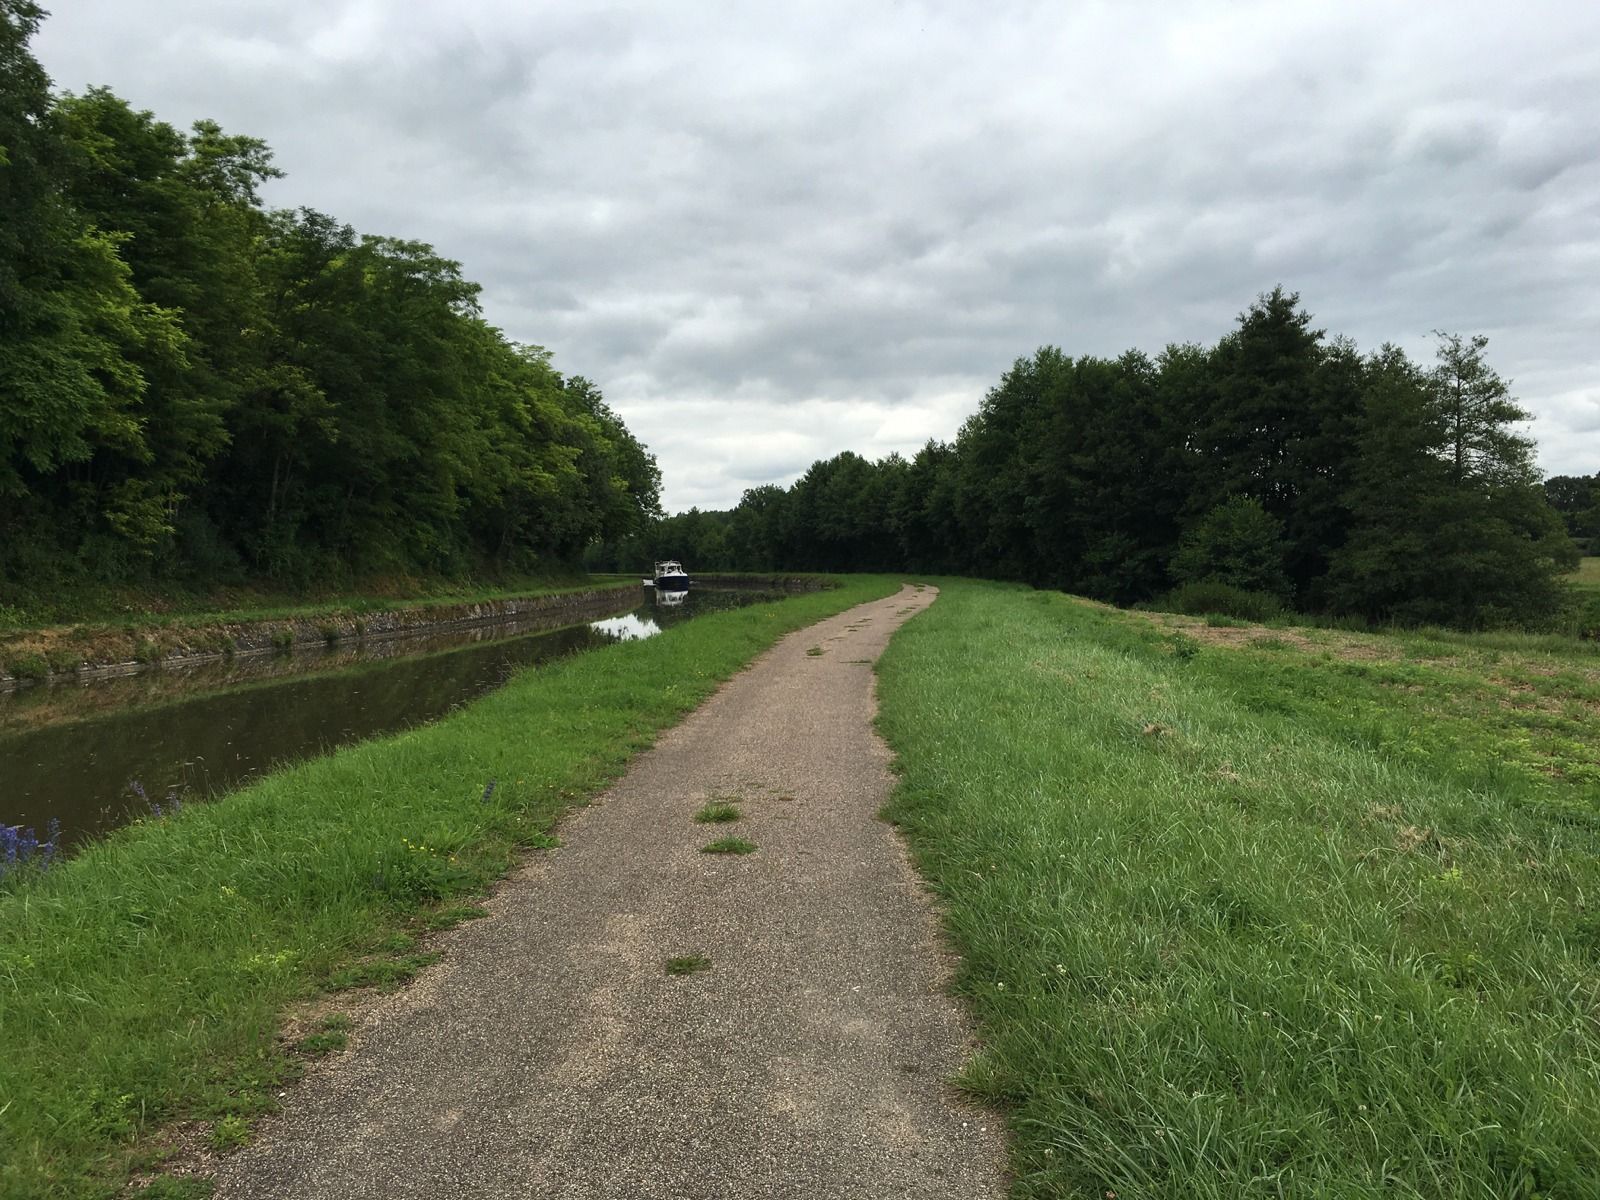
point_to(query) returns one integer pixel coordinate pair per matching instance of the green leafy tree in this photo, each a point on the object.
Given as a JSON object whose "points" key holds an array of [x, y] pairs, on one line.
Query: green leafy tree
{"points": [[186, 226], [1480, 439], [1238, 543], [1577, 499], [1388, 561], [73, 328], [1451, 525], [756, 529], [1283, 428]]}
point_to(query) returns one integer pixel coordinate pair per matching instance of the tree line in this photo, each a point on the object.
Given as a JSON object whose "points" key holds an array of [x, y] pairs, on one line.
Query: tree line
{"points": [[1277, 467], [194, 386], [1577, 499]]}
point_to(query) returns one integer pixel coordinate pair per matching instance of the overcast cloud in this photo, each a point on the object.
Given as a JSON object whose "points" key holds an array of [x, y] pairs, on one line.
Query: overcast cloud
{"points": [[774, 232]]}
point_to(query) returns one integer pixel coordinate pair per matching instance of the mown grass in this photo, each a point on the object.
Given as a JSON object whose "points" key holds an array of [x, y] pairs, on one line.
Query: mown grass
{"points": [[1503, 710], [1587, 576], [1249, 922], [144, 981]]}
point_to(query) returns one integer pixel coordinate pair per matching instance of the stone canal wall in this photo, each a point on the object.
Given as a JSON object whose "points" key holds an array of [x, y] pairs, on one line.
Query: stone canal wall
{"points": [[62, 655], [127, 652]]}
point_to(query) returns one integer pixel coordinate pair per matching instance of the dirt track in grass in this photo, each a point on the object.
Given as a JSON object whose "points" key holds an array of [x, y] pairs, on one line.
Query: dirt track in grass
{"points": [[551, 1054]]}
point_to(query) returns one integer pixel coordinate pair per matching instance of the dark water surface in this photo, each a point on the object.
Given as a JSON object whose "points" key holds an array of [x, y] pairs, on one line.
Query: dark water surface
{"points": [[72, 752]]}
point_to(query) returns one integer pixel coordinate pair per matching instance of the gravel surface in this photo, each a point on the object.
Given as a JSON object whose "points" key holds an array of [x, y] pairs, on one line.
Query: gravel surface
{"points": [[551, 1055]]}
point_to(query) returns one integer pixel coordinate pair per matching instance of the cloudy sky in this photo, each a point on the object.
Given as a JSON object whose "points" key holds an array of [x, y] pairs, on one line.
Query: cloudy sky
{"points": [[773, 232]]}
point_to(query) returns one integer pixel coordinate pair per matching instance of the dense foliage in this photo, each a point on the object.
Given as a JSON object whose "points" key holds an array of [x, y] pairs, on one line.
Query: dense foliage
{"points": [[1278, 462], [1577, 499], [194, 386]]}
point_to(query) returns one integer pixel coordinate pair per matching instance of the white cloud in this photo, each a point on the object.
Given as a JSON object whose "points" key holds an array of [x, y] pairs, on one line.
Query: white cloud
{"points": [[770, 234]]}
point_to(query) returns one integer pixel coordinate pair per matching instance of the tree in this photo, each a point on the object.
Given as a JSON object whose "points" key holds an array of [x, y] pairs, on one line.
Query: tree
{"points": [[1479, 413], [29, 156], [1577, 499], [1237, 543], [186, 235], [1282, 428], [1389, 560], [191, 385], [1451, 525], [73, 328]]}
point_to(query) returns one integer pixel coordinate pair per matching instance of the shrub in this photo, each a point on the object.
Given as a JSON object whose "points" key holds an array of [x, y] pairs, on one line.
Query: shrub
{"points": [[1237, 543], [1588, 623], [64, 661], [29, 666], [1210, 596]]}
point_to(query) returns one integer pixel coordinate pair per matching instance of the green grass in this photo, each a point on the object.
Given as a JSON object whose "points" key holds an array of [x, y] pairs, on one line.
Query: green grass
{"points": [[28, 666], [729, 845], [1330, 930], [175, 1188], [331, 1035], [688, 964], [451, 915], [1587, 576], [230, 1132], [145, 980], [715, 812]]}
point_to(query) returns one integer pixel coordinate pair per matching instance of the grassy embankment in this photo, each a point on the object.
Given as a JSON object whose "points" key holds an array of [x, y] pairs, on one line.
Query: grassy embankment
{"points": [[121, 625], [176, 606], [1587, 576], [1260, 912], [145, 981]]}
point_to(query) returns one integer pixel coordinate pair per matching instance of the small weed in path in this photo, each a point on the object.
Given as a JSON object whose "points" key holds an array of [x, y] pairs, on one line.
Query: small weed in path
{"points": [[229, 1133], [330, 1036], [728, 845], [169, 1187], [453, 915], [387, 974], [717, 812], [688, 964]]}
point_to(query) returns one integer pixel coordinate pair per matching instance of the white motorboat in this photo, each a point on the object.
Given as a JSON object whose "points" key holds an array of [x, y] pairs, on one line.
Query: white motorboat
{"points": [[671, 577]]}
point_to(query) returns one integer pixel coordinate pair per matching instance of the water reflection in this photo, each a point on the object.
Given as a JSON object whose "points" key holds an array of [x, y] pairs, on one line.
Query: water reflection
{"points": [[71, 752], [627, 628]]}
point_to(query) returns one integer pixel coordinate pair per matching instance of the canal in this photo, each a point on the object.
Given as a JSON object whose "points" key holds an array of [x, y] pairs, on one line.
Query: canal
{"points": [[98, 754]]}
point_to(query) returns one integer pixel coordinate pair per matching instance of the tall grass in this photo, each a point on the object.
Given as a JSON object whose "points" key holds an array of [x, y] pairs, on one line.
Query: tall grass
{"points": [[1227, 936], [144, 980]]}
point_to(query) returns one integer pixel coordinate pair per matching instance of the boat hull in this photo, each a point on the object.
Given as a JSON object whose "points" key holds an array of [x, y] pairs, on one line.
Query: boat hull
{"points": [[672, 583]]}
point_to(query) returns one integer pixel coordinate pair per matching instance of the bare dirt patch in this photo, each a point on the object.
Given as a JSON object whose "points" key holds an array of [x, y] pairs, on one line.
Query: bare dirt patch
{"points": [[1349, 646]]}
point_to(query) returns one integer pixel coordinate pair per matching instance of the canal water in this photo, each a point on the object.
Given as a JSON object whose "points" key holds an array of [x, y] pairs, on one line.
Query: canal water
{"points": [[96, 755]]}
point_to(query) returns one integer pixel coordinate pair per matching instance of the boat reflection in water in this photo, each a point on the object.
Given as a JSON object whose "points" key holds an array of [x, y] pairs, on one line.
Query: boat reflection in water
{"points": [[628, 628], [670, 599]]}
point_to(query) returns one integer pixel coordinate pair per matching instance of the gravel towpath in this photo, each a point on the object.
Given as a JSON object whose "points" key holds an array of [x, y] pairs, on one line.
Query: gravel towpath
{"points": [[551, 1055]]}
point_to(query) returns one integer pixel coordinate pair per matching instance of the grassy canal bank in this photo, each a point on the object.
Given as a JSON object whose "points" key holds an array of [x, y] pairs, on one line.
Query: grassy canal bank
{"points": [[148, 629], [145, 981], [1262, 912]]}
